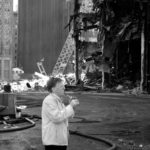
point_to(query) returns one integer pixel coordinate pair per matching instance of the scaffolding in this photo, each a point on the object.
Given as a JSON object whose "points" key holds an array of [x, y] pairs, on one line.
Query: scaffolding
{"points": [[70, 45], [67, 51]]}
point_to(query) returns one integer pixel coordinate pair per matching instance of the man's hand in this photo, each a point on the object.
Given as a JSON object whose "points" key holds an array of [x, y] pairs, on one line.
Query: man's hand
{"points": [[74, 102]]}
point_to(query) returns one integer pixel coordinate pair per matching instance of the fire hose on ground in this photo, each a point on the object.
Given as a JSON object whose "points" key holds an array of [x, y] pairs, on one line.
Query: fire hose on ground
{"points": [[28, 118], [9, 127], [81, 134], [112, 145]]}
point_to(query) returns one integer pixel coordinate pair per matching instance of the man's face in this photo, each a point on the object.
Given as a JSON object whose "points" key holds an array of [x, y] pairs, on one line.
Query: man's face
{"points": [[59, 88]]}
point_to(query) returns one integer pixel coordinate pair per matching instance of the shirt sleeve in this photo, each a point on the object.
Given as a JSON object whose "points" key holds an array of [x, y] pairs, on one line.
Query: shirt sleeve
{"points": [[57, 115]]}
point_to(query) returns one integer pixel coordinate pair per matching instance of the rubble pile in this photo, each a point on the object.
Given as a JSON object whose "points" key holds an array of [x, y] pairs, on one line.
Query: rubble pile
{"points": [[88, 81], [19, 84], [36, 83]]}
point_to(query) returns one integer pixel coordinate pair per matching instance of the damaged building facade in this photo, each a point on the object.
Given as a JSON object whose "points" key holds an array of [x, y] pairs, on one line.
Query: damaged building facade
{"points": [[119, 26], [114, 38], [123, 38]]}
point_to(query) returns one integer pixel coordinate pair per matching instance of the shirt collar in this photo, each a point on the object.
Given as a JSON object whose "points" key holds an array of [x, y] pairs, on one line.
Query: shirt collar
{"points": [[58, 98]]}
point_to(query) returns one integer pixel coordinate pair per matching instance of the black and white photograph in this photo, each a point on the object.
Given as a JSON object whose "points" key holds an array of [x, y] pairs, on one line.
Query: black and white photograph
{"points": [[74, 74]]}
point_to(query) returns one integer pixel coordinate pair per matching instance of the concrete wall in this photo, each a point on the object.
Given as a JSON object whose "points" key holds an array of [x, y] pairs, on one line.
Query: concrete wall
{"points": [[6, 38]]}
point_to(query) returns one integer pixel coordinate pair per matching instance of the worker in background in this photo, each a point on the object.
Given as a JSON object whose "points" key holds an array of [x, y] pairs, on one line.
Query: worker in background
{"points": [[55, 116]]}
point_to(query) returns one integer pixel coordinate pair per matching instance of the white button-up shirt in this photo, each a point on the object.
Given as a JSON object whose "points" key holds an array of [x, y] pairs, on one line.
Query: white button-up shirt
{"points": [[55, 120]]}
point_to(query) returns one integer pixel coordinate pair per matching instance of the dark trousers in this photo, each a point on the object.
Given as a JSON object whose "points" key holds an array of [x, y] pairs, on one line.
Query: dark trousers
{"points": [[55, 147]]}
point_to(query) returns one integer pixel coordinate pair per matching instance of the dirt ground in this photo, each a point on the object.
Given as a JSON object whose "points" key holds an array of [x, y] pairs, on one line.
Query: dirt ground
{"points": [[124, 120]]}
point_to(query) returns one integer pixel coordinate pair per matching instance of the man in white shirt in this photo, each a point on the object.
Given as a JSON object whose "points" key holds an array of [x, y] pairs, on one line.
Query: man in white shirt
{"points": [[55, 116]]}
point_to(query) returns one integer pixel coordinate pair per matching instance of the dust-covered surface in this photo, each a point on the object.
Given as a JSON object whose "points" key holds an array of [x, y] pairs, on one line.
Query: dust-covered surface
{"points": [[124, 120]]}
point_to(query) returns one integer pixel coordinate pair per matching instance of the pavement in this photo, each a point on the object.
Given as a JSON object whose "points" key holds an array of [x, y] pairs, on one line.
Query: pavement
{"points": [[122, 119], [111, 94]]}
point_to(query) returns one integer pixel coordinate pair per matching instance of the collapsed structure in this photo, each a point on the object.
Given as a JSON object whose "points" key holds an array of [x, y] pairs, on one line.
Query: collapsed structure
{"points": [[108, 44], [122, 41]]}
